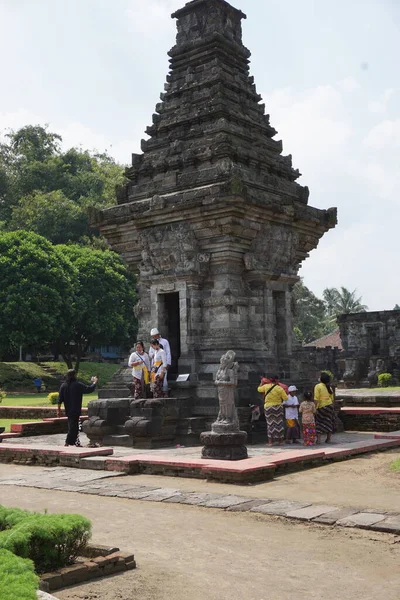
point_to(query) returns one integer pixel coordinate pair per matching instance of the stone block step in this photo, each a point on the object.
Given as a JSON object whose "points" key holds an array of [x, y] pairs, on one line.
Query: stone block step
{"points": [[118, 440]]}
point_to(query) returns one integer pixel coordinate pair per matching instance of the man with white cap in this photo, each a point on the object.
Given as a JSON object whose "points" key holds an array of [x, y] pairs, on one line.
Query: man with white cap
{"points": [[156, 335], [292, 416]]}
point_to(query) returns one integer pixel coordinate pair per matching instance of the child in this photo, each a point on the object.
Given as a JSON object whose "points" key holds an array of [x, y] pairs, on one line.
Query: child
{"points": [[307, 411], [292, 416]]}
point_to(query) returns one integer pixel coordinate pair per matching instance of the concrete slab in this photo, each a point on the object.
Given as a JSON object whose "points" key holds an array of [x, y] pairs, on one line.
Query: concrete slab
{"points": [[225, 502], [279, 507], [389, 525], [310, 512], [330, 518], [247, 506], [363, 520]]}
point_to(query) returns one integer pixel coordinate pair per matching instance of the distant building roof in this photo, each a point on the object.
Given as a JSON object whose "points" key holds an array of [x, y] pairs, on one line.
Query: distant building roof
{"points": [[332, 340]]}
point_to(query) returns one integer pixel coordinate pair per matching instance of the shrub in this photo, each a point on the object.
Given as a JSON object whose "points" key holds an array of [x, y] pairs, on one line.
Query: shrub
{"points": [[51, 541], [385, 379], [2, 395], [17, 578], [53, 397]]}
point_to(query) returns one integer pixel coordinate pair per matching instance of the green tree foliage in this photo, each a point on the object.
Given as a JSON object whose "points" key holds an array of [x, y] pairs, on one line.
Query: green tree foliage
{"points": [[35, 291], [342, 301], [104, 297], [37, 177], [396, 307], [309, 314]]}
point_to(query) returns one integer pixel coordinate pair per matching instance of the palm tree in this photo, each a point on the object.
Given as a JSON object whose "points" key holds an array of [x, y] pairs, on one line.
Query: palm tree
{"points": [[342, 301]]}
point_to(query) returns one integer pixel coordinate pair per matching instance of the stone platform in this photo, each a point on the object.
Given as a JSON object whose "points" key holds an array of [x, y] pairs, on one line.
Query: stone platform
{"points": [[366, 397], [262, 465]]}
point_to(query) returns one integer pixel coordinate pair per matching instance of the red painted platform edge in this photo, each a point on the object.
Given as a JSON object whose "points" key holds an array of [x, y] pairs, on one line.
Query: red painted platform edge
{"points": [[389, 435], [45, 408], [5, 436], [55, 451]]}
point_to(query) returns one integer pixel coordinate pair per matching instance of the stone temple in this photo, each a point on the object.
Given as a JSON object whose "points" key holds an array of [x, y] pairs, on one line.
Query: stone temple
{"points": [[212, 219]]}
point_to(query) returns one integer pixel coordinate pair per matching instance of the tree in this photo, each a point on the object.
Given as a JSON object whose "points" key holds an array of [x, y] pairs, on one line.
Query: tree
{"points": [[309, 315], [35, 291], [342, 302], [37, 177], [102, 310], [397, 307], [50, 214]]}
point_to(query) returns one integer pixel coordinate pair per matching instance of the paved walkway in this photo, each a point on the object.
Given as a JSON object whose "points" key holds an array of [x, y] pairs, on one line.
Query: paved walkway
{"points": [[114, 485], [340, 440]]}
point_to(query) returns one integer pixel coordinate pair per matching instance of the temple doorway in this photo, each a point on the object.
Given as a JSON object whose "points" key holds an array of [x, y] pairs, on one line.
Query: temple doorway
{"points": [[170, 325]]}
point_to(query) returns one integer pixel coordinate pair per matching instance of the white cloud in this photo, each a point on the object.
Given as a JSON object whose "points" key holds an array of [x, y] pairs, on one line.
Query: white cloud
{"points": [[385, 135], [380, 105], [311, 124], [149, 16]]}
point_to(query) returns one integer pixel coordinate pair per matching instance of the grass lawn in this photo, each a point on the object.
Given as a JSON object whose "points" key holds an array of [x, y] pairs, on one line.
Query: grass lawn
{"points": [[104, 371], [19, 376], [395, 466], [38, 399], [7, 422]]}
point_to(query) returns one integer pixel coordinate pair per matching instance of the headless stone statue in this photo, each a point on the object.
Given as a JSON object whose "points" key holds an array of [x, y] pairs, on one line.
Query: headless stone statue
{"points": [[226, 382], [225, 441]]}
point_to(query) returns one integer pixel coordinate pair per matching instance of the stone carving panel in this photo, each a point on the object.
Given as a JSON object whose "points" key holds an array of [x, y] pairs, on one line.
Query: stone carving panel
{"points": [[274, 249], [172, 249]]}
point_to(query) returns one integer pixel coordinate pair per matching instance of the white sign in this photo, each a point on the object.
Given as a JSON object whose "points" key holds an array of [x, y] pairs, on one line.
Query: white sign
{"points": [[184, 377]]}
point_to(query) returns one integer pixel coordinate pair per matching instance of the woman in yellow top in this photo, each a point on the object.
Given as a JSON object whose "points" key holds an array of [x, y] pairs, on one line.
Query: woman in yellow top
{"points": [[325, 415], [274, 395]]}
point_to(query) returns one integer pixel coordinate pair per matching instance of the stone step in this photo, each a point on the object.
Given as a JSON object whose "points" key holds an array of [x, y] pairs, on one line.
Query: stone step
{"points": [[118, 440]]}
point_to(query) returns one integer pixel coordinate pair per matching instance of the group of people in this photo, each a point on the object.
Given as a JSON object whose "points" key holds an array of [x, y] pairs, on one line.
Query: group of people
{"points": [[282, 408], [151, 367]]}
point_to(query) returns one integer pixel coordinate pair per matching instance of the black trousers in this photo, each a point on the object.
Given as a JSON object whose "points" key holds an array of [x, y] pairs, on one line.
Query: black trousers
{"points": [[73, 429]]}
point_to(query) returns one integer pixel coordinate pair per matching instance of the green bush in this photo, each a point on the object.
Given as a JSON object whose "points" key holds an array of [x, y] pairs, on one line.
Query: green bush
{"points": [[384, 379], [53, 397], [51, 541], [18, 580], [2, 395]]}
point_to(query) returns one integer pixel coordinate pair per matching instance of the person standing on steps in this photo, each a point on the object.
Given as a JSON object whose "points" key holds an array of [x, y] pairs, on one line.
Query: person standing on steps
{"points": [[158, 369], [70, 394], [156, 335], [140, 363]]}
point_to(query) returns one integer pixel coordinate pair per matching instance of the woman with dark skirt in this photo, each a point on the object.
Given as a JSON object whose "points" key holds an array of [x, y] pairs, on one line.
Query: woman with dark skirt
{"points": [[325, 415], [274, 396]]}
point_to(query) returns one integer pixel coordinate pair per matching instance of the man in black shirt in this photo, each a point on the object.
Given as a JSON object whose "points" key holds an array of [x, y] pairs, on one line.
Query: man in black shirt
{"points": [[70, 395]]}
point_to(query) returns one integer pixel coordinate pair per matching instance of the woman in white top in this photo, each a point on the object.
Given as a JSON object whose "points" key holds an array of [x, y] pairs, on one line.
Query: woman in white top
{"points": [[140, 363], [159, 367]]}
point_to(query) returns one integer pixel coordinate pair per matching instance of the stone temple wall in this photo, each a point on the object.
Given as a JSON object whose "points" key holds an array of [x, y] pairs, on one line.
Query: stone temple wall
{"points": [[371, 345]]}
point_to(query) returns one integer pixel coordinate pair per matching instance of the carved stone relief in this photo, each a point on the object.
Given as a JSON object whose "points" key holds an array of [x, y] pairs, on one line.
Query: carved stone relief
{"points": [[171, 249], [274, 249]]}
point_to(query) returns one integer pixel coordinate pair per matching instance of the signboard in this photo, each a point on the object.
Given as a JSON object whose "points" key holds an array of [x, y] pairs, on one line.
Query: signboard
{"points": [[184, 377]]}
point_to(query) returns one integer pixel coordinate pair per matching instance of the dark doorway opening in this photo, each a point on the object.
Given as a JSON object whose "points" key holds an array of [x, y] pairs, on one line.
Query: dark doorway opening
{"points": [[170, 326]]}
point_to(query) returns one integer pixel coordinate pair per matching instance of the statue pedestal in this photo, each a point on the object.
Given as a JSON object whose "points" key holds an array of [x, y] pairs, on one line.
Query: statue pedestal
{"points": [[229, 445]]}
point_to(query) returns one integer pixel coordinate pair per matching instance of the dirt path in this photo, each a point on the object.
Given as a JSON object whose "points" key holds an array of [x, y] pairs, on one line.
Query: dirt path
{"points": [[185, 551]]}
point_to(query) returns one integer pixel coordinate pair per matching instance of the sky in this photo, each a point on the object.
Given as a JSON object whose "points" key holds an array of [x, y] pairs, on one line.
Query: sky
{"points": [[328, 71]]}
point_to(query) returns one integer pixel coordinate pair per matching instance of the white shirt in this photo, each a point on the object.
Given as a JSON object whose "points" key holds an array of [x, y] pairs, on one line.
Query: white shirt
{"points": [[159, 356], [143, 359], [166, 348], [291, 407]]}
